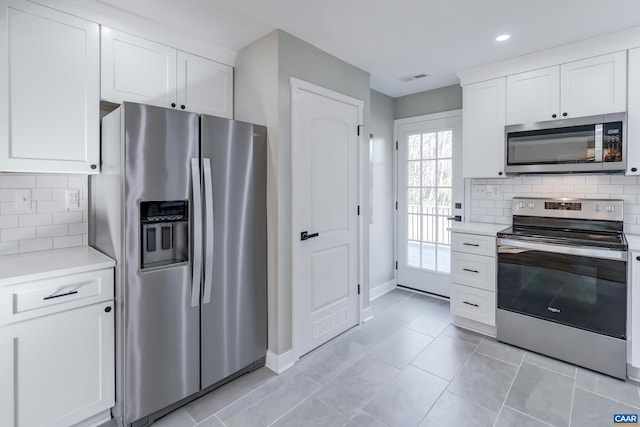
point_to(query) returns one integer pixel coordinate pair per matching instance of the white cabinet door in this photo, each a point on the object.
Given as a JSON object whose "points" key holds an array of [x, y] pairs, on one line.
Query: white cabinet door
{"points": [[49, 90], [633, 115], [483, 120], [58, 369], [633, 335], [137, 70], [594, 86], [533, 96], [205, 86]]}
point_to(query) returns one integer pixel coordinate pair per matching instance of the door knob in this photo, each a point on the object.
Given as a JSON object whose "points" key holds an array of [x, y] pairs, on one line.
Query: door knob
{"points": [[306, 236]]}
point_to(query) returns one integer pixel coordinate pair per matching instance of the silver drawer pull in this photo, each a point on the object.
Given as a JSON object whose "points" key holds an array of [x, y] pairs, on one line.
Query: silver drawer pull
{"points": [[471, 244], [470, 303], [52, 296], [470, 270]]}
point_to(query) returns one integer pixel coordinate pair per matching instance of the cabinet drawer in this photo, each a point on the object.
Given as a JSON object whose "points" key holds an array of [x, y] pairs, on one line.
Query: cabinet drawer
{"points": [[474, 304], [47, 296], [473, 244], [478, 271]]}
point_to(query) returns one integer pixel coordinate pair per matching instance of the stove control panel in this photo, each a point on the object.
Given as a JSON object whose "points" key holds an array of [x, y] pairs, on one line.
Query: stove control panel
{"points": [[600, 209]]}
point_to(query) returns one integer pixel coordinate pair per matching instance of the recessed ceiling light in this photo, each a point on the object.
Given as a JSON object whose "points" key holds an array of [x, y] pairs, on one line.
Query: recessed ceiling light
{"points": [[503, 37]]}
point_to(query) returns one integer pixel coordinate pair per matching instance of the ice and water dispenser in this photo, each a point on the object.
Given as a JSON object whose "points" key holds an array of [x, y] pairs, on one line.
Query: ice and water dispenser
{"points": [[164, 235]]}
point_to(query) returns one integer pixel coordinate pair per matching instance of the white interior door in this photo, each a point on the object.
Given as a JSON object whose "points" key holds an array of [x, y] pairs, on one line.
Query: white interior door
{"points": [[324, 155], [429, 184]]}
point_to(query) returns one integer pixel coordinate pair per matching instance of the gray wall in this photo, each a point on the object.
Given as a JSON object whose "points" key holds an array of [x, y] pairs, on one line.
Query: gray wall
{"points": [[429, 102], [381, 229], [279, 56]]}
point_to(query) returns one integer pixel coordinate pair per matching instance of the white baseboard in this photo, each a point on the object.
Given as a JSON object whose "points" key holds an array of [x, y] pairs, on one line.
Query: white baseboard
{"points": [[279, 363], [367, 314], [96, 420], [382, 289]]}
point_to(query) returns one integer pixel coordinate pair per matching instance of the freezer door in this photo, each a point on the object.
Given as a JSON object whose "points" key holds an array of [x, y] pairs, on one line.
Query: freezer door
{"points": [[234, 309], [162, 348]]}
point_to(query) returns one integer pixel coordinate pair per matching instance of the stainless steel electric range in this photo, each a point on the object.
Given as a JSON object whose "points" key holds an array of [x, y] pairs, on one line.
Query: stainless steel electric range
{"points": [[562, 281]]}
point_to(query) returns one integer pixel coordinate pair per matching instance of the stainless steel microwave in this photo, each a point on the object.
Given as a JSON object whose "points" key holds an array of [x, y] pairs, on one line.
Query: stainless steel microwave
{"points": [[586, 144]]}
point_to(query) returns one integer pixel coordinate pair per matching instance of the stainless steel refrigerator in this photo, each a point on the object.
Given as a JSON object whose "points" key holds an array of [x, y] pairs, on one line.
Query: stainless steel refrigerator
{"points": [[181, 205]]}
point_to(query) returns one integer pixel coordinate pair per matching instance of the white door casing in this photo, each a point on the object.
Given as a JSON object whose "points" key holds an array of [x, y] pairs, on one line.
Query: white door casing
{"points": [[426, 195], [324, 200]]}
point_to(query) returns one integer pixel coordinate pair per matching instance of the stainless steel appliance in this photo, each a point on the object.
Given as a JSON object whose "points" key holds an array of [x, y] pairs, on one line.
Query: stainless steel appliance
{"points": [[181, 206], [562, 281], [586, 144]]}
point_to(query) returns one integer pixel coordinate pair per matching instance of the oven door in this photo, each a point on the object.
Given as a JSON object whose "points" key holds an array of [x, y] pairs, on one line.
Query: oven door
{"points": [[575, 286]]}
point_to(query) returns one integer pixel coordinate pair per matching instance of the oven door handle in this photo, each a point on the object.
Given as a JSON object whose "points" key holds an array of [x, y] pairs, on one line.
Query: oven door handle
{"points": [[568, 250]]}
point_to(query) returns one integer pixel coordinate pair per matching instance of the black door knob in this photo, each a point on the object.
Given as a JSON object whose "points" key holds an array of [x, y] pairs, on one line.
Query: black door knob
{"points": [[182, 107], [554, 116], [634, 169], [173, 104], [565, 114]]}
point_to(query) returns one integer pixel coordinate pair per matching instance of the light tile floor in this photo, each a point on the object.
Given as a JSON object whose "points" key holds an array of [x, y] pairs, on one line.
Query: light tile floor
{"points": [[409, 366]]}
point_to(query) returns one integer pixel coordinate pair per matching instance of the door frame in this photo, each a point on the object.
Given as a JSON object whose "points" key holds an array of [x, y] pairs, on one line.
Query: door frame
{"points": [[296, 86], [467, 182]]}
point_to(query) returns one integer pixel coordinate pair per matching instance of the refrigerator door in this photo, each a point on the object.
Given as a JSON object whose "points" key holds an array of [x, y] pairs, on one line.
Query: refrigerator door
{"points": [[234, 309], [162, 355]]}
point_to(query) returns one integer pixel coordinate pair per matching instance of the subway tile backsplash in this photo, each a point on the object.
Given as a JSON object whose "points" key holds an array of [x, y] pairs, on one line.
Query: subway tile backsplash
{"points": [[45, 223], [491, 198]]}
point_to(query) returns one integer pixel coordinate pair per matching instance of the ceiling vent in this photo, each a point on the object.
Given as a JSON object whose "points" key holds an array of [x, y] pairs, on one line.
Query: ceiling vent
{"points": [[406, 79]]}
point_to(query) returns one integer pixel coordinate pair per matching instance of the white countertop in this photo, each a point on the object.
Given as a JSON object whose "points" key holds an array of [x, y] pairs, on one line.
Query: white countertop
{"points": [[634, 241], [30, 266], [482, 228]]}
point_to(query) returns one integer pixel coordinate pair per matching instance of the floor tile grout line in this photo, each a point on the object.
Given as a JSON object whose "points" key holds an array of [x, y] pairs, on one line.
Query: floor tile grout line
{"points": [[498, 359], [549, 369], [504, 401], [573, 398], [374, 417], [291, 409], [608, 397], [530, 416]]}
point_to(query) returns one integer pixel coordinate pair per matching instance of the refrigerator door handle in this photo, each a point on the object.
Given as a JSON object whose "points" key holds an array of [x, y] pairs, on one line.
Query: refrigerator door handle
{"points": [[197, 233], [208, 208]]}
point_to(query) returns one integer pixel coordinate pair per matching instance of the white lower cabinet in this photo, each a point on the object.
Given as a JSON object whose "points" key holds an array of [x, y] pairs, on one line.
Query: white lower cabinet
{"points": [[633, 323], [57, 367], [473, 277]]}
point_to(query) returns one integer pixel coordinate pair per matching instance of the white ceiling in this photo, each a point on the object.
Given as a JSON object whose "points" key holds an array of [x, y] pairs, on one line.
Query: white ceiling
{"points": [[393, 39]]}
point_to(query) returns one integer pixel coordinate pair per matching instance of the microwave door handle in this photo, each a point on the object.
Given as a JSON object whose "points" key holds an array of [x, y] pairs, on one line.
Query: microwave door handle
{"points": [[598, 143]]}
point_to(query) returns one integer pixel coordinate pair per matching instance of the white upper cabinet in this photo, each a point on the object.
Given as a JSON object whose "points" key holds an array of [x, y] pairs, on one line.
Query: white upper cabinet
{"points": [[205, 86], [49, 90], [633, 120], [483, 120], [582, 88], [138, 70], [594, 86], [533, 96]]}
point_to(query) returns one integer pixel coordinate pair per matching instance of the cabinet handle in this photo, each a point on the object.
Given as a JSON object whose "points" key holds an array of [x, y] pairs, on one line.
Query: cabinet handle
{"points": [[471, 244], [470, 303], [638, 258], [565, 114], [553, 116], [470, 270], [173, 105], [93, 166], [52, 296], [500, 173], [182, 107], [107, 309], [634, 169]]}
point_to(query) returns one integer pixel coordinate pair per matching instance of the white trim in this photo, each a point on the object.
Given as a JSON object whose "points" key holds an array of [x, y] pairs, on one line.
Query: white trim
{"points": [[426, 118], [96, 420], [609, 43], [474, 326], [367, 314], [279, 363], [381, 289], [328, 93]]}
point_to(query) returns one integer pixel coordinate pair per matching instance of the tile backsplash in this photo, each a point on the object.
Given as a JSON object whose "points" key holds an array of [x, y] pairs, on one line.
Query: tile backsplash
{"points": [[491, 198], [45, 222]]}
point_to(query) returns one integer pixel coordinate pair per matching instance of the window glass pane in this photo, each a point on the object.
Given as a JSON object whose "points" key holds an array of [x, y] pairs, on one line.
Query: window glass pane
{"points": [[429, 228], [413, 174], [429, 146], [413, 223], [444, 258], [429, 256], [413, 148], [429, 173], [429, 201], [413, 254], [444, 200], [445, 143], [444, 173], [444, 235]]}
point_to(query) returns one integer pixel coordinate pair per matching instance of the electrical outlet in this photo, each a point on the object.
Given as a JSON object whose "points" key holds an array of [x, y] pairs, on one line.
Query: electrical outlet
{"points": [[479, 189], [23, 200], [493, 191], [71, 198]]}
